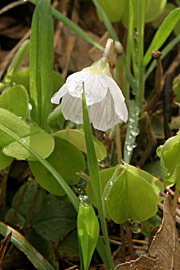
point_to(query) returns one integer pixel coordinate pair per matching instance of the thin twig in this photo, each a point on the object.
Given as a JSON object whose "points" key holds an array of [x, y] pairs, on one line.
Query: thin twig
{"points": [[130, 242], [12, 5]]}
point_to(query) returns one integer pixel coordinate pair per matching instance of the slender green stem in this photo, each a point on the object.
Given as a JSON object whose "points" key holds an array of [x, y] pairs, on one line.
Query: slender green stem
{"points": [[118, 144], [140, 45], [129, 48], [175, 199], [164, 52], [95, 178]]}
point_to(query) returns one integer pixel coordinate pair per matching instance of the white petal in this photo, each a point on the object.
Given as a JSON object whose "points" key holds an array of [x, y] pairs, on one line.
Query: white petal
{"points": [[71, 108], [58, 95], [95, 90], [119, 100], [103, 115]]}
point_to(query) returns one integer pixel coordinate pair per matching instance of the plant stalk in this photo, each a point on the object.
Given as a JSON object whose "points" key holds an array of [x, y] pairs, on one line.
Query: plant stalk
{"points": [[140, 47], [175, 199], [129, 50]]}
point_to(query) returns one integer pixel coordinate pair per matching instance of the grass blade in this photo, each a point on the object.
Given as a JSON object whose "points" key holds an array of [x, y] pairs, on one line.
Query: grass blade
{"points": [[17, 60], [41, 63], [162, 34], [23, 245], [95, 178], [164, 52]]}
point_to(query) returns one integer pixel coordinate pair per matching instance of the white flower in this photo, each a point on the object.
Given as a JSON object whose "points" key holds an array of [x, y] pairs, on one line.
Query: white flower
{"points": [[105, 101]]}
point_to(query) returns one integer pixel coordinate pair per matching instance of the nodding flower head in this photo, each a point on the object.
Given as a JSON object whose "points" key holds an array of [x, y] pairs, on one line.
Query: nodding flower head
{"points": [[105, 101]]}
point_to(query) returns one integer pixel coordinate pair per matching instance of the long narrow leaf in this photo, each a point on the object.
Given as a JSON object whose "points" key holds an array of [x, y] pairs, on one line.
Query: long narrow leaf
{"points": [[95, 177], [41, 63], [164, 52], [17, 60], [162, 34], [59, 16], [22, 244]]}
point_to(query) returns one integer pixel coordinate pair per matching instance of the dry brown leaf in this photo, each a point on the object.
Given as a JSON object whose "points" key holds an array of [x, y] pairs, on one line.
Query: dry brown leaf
{"points": [[142, 263], [164, 253], [165, 245]]}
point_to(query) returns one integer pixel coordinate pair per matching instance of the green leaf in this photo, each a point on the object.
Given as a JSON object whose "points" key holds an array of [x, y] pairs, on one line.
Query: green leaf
{"points": [[60, 181], [23, 245], [133, 193], [77, 137], [88, 232], [17, 60], [41, 62], [54, 219], [33, 136], [22, 77], [44, 247], [68, 248], [42, 143], [162, 34], [176, 88], [67, 160], [149, 225], [4, 160], [164, 52], [16, 125], [56, 119], [15, 100], [170, 161], [105, 175]]}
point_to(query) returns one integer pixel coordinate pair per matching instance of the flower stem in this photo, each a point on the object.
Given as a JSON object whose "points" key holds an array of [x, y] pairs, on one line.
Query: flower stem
{"points": [[140, 45], [108, 48], [118, 144], [129, 49], [175, 199]]}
